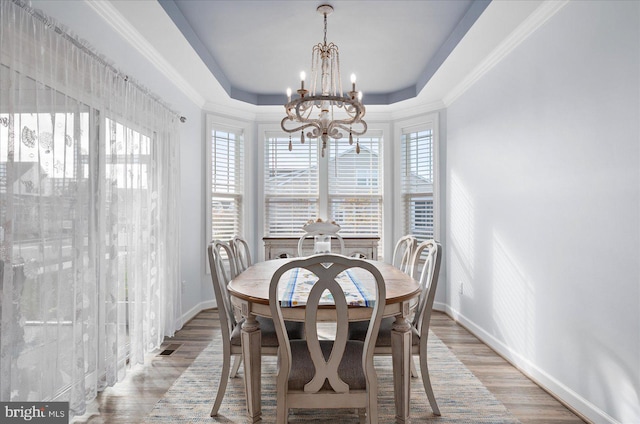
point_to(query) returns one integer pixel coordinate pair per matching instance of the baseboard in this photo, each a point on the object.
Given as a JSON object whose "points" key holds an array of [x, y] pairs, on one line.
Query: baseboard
{"points": [[191, 313], [563, 394], [440, 307]]}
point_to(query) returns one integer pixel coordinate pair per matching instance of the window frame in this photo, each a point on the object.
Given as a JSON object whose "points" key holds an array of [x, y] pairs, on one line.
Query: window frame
{"points": [[362, 198], [219, 123], [382, 129], [426, 122], [312, 197]]}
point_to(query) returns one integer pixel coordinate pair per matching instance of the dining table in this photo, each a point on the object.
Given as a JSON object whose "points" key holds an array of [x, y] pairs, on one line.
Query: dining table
{"points": [[249, 292]]}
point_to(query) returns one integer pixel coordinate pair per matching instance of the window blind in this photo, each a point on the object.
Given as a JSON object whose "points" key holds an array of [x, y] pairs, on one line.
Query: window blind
{"points": [[355, 187], [417, 183], [226, 183], [291, 185]]}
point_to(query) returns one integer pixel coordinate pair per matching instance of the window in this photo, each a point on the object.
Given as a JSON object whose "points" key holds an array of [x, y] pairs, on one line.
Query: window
{"points": [[226, 176], [44, 199], [128, 194], [291, 186], [344, 186], [417, 183], [355, 190]]}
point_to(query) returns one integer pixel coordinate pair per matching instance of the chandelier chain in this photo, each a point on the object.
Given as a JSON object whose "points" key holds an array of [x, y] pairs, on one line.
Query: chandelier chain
{"points": [[325, 28]]}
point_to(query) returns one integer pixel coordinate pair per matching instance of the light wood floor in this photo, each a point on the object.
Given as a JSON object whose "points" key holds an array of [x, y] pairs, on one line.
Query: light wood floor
{"points": [[131, 400]]}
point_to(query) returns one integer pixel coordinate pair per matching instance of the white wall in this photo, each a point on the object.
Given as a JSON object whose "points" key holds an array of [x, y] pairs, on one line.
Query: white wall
{"points": [[84, 21], [542, 208]]}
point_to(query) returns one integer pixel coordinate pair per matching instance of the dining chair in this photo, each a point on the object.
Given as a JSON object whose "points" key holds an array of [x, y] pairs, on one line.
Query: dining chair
{"points": [[403, 253], [312, 234], [421, 318], [242, 253], [221, 273], [319, 373]]}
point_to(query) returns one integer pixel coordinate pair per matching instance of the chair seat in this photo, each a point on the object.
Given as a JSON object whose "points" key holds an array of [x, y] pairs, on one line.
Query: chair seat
{"points": [[350, 368], [358, 331], [268, 330]]}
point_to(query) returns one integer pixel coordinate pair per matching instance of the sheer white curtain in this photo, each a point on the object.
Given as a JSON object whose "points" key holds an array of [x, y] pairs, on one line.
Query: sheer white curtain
{"points": [[89, 180]]}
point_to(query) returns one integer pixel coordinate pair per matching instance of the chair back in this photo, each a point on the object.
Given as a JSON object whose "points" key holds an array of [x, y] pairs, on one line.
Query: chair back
{"points": [[242, 253], [432, 252], [326, 268], [312, 234], [221, 274], [403, 253]]}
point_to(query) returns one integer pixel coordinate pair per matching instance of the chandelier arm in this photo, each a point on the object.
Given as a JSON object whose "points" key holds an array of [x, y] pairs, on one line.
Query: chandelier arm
{"points": [[301, 106], [307, 106], [298, 128], [304, 111], [350, 109], [315, 133], [364, 130], [349, 129], [346, 121]]}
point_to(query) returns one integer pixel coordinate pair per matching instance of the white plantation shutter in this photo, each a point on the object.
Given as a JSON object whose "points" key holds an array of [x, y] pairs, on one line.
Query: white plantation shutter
{"points": [[291, 185], [417, 183], [226, 183], [355, 187]]}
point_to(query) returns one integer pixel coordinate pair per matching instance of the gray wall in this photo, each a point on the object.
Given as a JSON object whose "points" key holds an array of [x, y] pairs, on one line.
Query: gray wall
{"points": [[543, 238]]}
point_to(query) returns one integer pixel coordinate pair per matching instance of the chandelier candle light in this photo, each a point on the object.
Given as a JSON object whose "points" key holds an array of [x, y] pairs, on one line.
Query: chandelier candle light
{"points": [[338, 114]]}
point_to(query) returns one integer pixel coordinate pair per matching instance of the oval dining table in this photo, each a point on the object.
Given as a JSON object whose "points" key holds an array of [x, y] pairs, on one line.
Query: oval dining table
{"points": [[249, 293]]}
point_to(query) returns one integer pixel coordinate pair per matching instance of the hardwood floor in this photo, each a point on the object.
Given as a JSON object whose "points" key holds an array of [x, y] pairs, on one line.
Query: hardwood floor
{"points": [[132, 399], [521, 396]]}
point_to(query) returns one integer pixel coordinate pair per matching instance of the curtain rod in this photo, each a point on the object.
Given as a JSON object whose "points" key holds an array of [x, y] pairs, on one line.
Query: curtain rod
{"points": [[89, 50]]}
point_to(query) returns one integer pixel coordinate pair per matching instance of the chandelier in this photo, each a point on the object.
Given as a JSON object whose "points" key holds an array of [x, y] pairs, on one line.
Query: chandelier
{"points": [[337, 114]]}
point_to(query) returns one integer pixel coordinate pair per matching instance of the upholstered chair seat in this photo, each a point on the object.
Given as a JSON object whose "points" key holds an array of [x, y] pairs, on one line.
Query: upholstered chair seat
{"points": [[350, 368], [358, 331], [268, 330]]}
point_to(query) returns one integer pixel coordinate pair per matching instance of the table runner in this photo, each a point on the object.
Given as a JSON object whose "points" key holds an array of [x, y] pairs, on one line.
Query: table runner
{"points": [[300, 281]]}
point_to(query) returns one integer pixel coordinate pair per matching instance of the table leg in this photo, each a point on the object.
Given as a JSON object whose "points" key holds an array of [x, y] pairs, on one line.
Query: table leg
{"points": [[401, 353], [251, 342]]}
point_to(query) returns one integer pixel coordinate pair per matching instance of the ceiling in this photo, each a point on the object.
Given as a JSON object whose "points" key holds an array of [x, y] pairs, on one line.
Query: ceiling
{"points": [[409, 55], [256, 49]]}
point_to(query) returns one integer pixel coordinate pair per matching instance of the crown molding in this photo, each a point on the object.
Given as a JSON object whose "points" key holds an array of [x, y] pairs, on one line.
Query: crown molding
{"points": [[122, 26], [234, 109], [545, 11], [416, 109]]}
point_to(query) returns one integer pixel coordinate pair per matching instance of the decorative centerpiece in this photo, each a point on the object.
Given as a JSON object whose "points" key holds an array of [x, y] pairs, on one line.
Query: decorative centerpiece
{"points": [[320, 226], [322, 231]]}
